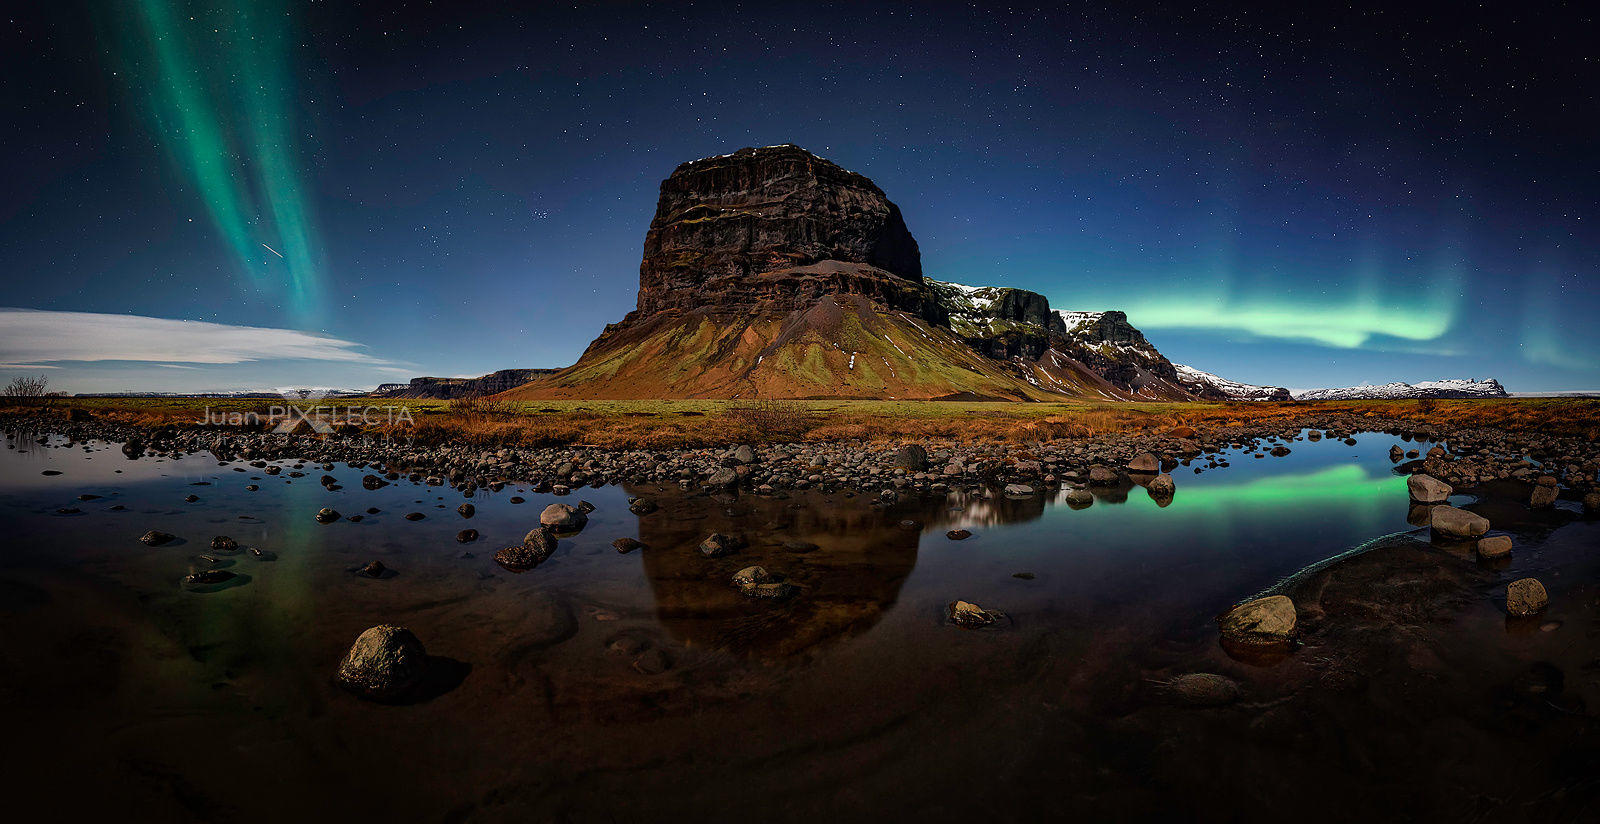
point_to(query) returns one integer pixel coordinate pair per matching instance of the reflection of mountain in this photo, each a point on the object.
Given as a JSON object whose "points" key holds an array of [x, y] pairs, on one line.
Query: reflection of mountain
{"points": [[846, 583]]}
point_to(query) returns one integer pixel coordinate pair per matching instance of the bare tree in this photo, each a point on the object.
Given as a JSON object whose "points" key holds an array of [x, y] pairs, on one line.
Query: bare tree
{"points": [[26, 390]]}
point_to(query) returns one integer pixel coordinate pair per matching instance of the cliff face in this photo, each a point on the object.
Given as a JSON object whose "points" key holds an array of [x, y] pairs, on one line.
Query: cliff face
{"points": [[776, 226], [450, 388], [998, 321]]}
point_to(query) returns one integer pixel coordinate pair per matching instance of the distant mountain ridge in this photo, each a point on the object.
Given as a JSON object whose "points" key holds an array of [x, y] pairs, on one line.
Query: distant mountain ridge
{"points": [[1444, 388], [1200, 382]]}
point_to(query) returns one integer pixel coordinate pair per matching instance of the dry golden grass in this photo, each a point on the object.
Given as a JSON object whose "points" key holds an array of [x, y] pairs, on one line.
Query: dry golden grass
{"points": [[706, 423]]}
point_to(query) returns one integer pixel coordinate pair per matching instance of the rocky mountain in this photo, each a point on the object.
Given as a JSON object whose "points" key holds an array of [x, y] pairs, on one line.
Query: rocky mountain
{"points": [[450, 388], [771, 272], [1445, 388], [1210, 387]]}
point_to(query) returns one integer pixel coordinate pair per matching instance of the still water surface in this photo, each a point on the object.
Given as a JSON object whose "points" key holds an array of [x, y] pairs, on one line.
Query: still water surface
{"points": [[602, 683]]}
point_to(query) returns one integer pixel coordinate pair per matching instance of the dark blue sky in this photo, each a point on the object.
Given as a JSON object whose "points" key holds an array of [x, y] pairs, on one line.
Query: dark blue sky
{"points": [[1302, 197]]}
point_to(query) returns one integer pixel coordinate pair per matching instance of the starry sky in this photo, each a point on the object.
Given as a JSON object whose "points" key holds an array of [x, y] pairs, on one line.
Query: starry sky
{"points": [[248, 194]]}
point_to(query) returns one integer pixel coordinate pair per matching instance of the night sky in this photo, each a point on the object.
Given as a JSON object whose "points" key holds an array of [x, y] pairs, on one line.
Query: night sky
{"points": [[1304, 197]]}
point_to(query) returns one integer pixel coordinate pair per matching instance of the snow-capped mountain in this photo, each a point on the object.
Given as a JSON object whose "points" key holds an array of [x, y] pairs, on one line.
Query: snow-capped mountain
{"points": [[1199, 382], [1445, 388]]}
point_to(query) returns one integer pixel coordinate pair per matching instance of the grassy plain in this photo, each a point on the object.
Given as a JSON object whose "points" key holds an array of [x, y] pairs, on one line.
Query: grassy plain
{"points": [[658, 424]]}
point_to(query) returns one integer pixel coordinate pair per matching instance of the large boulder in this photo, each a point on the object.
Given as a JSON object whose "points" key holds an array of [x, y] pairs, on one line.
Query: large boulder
{"points": [[1269, 620], [1460, 524], [384, 663], [1544, 494], [911, 457], [1426, 489], [1144, 463]]}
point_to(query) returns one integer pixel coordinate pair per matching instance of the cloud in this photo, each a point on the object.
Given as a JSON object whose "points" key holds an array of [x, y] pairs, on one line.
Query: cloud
{"points": [[31, 335], [26, 366]]}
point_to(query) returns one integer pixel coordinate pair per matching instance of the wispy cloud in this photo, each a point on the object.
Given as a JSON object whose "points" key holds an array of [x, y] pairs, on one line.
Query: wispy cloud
{"points": [[30, 338]]}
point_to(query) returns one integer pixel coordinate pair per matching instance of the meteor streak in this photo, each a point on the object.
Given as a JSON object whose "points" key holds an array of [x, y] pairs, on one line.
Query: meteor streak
{"points": [[272, 250]]}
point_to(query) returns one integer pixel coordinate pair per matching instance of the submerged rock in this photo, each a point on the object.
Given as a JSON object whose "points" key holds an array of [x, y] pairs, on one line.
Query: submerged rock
{"points": [[958, 534], [156, 537], [208, 576], [718, 545], [223, 543], [327, 515], [466, 510], [971, 616], [1202, 689], [536, 546], [467, 536], [1269, 620], [757, 582], [1526, 597], [627, 545], [1544, 494], [384, 663]]}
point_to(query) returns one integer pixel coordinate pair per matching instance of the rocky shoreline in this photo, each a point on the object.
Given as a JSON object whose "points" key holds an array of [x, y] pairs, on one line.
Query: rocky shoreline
{"points": [[1553, 467]]}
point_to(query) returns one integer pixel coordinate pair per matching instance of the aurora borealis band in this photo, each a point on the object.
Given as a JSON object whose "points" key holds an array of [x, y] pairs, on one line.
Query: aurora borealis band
{"points": [[216, 82], [1286, 194]]}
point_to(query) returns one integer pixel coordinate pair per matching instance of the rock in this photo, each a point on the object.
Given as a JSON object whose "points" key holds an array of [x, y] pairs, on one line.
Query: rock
{"points": [[1102, 476], [1451, 522], [156, 537], [223, 543], [724, 478], [1544, 496], [971, 616], [467, 536], [373, 482], [1269, 620], [652, 662], [374, 569], [1161, 486], [1278, 451], [718, 545], [1591, 503], [1144, 464], [466, 510], [1494, 546], [415, 516], [757, 582], [563, 516], [641, 506], [1078, 497], [1018, 490], [627, 545], [1525, 597], [1396, 454], [911, 457], [208, 576], [744, 454], [585, 507], [326, 515], [384, 663], [191, 498], [536, 546], [1202, 689], [958, 534], [800, 546], [1426, 489], [1026, 576]]}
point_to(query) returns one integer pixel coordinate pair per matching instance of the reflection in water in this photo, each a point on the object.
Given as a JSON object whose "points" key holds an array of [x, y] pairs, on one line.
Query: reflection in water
{"points": [[845, 583]]}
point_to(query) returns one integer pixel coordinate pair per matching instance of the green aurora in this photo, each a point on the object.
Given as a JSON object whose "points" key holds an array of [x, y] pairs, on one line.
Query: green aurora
{"points": [[196, 71]]}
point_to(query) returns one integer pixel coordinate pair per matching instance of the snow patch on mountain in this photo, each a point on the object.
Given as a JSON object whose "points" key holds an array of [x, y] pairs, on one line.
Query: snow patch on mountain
{"points": [[1196, 381], [1444, 388]]}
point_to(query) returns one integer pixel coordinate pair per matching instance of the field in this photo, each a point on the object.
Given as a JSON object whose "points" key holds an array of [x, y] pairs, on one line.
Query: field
{"points": [[660, 424]]}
